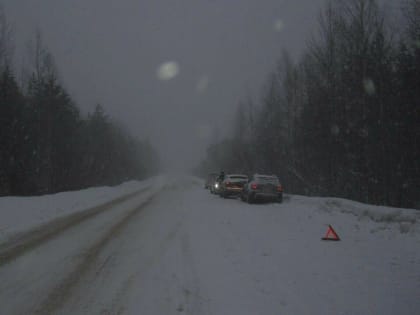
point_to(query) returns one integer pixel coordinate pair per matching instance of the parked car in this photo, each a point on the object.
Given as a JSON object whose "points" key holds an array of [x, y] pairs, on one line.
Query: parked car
{"points": [[211, 178], [262, 188], [233, 185], [215, 187]]}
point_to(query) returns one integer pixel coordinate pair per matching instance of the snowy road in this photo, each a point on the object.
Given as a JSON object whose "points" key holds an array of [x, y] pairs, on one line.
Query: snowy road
{"points": [[181, 250]]}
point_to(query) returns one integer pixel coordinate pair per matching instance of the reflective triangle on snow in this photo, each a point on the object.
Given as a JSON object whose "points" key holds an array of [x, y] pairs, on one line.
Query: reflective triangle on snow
{"points": [[331, 235]]}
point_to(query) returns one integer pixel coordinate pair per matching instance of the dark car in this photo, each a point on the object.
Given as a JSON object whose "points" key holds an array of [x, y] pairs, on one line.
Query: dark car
{"points": [[233, 185], [210, 180], [263, 188]]}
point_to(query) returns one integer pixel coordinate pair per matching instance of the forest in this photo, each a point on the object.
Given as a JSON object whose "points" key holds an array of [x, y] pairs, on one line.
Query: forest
{"points": [[46, 144], [343, 119]]}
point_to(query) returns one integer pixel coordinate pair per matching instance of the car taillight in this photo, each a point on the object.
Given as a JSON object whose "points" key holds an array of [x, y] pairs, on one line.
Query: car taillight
{"points": [[254, 186], [279, 188]]}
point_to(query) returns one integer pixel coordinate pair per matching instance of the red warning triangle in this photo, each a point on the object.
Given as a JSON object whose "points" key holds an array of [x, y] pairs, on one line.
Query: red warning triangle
{"points": [[331, 235]]}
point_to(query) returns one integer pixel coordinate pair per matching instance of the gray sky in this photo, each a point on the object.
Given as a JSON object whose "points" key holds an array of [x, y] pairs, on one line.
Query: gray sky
{"points": [[108, 52]]}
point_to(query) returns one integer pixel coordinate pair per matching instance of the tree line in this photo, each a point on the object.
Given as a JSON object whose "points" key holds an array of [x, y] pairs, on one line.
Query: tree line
{"points": [[46, 145], [344, 119]]}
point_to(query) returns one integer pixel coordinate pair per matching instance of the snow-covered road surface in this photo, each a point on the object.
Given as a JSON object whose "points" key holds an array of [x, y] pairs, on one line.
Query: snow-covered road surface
{"points": [[180, 250]]}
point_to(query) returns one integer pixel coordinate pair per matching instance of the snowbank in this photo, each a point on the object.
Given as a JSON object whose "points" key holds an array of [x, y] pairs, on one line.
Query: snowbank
{"points": [[380, 217], [19, 214]]}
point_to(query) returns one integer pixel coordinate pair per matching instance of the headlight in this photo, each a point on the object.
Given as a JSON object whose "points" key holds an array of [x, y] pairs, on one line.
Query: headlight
{"points": [[216, 185]]}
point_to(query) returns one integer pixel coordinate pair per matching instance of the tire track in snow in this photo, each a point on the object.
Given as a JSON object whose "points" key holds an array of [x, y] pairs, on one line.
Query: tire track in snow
{"points": [[45, 232], [61, 292], [81, 302]]}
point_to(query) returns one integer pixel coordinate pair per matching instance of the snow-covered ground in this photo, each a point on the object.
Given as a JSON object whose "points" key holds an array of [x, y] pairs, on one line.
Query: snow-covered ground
{"points": [[178, 249], [20, 214]]}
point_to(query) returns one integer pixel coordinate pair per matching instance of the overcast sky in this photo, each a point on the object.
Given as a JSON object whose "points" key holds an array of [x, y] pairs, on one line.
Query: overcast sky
{"points": [[109, 52]]}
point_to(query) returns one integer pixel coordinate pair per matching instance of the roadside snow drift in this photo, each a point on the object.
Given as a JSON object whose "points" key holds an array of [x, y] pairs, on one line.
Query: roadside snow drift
{"points": [[20, 214]]}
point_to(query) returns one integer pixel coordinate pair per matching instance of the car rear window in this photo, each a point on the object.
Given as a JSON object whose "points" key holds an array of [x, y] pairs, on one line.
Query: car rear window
{"points": [[267, 180]]}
